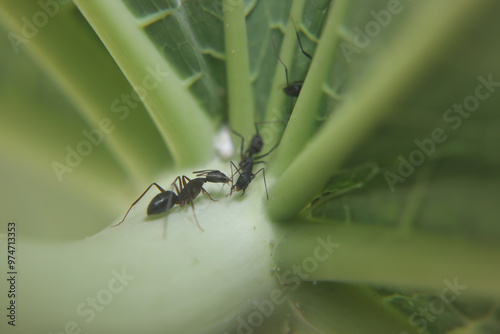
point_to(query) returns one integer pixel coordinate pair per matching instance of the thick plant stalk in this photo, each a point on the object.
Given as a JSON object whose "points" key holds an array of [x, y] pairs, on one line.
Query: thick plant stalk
{"points": [[184, 126], [240, 95], [302, 123], [373, 100]]}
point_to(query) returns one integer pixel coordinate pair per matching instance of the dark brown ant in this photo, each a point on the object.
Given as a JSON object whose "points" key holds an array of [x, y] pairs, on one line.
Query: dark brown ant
{"points": [[293, 88], [247, 161], [256, 143], [187, 191]]}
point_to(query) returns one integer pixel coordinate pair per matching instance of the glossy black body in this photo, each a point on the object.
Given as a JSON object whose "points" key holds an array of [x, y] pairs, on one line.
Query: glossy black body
{"points": [[246, 176], [248, 159], [255, 146], [162, 202], [187, 191]]}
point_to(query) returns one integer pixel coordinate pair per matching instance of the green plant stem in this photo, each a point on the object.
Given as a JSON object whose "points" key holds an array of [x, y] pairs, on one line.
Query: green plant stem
{"points": [[374, 99], [383, 256], [91, 81], [302, 123], [240, 95], [277, 99], [184, 126]]}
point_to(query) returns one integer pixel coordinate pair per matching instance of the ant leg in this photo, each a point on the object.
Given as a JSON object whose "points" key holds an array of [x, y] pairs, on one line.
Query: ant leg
{"points": [[237, 168], [137, 200], [264, 175], [166, 216], [298, 37], [206, 193], [231, 164], [165, 229], [286, 70], [178, 178], [256, 128], [269, 152], [232, 175], [196, 219], [281, 61], [242, 141], [185, 180]]}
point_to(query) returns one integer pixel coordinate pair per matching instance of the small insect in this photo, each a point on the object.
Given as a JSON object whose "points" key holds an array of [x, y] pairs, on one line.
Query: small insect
{"points": [[293, 88], [186, 192], [256, 144], [248, 160]]}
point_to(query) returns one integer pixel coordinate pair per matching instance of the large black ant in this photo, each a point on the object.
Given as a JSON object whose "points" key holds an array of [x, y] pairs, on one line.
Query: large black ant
{"points": [[293, 88], [187, 191], [245, 168]]}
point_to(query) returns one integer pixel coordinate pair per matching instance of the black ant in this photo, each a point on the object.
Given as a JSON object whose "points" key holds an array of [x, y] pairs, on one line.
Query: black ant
{"points": [[256, 144], [247, 161], [293, 88], [187, 191]]}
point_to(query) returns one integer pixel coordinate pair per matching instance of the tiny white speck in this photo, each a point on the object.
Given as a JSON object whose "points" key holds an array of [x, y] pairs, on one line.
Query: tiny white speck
{"points": [[223, 144]]}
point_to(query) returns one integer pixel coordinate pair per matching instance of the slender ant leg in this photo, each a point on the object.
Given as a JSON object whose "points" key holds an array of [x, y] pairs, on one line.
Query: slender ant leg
{"points": [[232, 174], [178, 178], [292, 88], [242, 141], [196, 219], [269, 152], [206, 193], [281, 61], [137, 200], [298, 37], [264, 177]]}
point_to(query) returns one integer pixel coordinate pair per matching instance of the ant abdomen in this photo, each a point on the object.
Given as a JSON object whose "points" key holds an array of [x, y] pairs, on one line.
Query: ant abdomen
{"points": [[162, 202], [255, 144], [293, 90]]}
